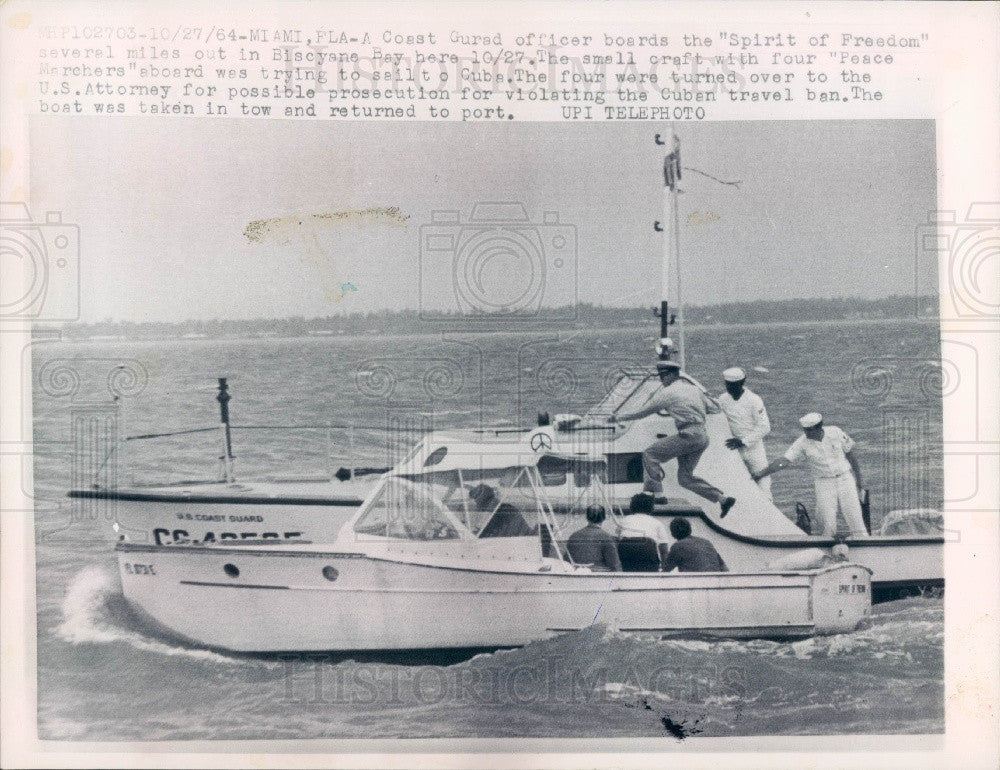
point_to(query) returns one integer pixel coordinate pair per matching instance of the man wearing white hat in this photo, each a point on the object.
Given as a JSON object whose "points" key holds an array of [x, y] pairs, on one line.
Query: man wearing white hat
{"points": [[836, 475], [688, 405], [665, 348], [748, 421]]}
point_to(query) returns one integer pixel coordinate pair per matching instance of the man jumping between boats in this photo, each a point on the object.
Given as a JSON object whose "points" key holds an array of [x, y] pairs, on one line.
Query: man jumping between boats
{"points": [[688, 405]]}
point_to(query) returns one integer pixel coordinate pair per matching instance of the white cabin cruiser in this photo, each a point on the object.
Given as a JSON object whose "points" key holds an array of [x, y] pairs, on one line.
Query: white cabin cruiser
{"points": [[426, 563]]}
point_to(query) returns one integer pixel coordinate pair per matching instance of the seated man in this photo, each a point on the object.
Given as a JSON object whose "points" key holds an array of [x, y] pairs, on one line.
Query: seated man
{"points": [[646, 525], [592, 546], [506, 520], [692, 554]]}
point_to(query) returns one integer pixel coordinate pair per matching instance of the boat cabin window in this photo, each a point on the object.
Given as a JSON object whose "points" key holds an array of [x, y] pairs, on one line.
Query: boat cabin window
{"points": [[552, 472], [409, 511], [436, 456]]}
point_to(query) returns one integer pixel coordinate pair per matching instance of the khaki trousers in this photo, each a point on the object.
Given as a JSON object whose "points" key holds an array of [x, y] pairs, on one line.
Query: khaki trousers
{"points": [[687, 446]]}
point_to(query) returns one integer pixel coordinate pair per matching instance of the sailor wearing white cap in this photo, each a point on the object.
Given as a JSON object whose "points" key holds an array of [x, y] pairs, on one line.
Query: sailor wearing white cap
{"points": [[687, 404], [828, 451], [665, 348], [748, 421]]}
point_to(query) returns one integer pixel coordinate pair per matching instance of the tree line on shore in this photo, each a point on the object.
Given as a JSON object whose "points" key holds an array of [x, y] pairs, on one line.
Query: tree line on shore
{"points": [[586, 315]]}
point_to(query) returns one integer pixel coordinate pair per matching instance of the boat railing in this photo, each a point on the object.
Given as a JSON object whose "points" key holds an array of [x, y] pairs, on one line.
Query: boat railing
{"points": [[547, 520], [340, 441]]}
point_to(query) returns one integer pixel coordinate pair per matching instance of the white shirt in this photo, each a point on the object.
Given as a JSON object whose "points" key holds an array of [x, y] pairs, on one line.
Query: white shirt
{"points": [[643, 525], [747, 416], [826, 458]]}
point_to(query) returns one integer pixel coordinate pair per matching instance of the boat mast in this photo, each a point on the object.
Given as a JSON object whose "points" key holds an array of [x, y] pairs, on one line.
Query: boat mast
{"points": [[671, 239], [227, 439]]}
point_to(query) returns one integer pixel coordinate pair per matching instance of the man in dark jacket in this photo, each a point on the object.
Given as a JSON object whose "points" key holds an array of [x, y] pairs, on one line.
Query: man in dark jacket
{"points": [[692, 554], [593, 546]]}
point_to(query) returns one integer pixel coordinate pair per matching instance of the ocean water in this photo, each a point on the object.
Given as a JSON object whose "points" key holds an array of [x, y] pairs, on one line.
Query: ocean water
{"points": [[103, 676]]}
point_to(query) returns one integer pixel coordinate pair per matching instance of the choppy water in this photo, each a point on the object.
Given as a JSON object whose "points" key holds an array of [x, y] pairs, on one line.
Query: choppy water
{"points": [[103, 676]]}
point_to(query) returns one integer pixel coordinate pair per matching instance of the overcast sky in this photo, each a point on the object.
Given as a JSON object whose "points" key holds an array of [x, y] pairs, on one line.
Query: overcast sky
{"points": [[824, 208]]}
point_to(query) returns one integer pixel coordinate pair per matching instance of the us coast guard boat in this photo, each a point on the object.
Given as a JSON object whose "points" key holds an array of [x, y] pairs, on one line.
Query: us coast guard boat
{"points": [[427, 561]]}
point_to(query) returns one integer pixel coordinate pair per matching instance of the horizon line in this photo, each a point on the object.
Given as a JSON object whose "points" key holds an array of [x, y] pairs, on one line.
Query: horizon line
{"points": [[540, 315]]}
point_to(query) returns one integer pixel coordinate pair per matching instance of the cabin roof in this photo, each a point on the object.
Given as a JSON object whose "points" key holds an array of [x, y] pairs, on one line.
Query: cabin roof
{"points": [[442, 452]]}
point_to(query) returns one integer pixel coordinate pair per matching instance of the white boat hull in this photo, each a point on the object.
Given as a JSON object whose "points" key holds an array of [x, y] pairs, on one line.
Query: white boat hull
{"points": [[281, 600]]}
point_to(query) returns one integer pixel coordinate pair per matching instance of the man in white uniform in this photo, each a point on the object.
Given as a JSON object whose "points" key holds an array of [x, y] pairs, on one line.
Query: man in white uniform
{"points": [[748, 421], [828, 451]]}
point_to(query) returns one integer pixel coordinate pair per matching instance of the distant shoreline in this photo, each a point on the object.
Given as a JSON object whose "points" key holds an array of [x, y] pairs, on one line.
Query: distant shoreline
{"points": [[649, 330]]}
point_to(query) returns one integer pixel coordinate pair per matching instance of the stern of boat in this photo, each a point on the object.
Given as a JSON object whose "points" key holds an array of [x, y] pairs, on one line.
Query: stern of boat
{"points": [[841, 598]]}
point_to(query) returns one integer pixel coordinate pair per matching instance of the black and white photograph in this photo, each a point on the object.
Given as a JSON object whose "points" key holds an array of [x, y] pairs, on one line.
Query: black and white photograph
{"points": [[500, 410], [387, 430]]}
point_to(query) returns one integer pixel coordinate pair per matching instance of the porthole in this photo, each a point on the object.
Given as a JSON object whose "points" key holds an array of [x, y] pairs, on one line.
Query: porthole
{"points": [[436, 456], [232, 570], [330, 573]]}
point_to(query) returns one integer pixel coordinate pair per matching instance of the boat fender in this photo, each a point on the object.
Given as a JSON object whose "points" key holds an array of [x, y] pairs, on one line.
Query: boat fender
{"points": [[839, 552], [808, 558]]}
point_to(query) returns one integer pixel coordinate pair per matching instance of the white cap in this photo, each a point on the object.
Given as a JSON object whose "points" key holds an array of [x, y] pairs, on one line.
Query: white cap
{"points": [[665, 344], [811, 420], [734, 374]]}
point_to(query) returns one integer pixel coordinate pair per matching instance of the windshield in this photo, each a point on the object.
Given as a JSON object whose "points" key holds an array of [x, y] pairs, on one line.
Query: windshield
{"points": [[483, 503], [453, 504], [405, 510], [629, 393]]}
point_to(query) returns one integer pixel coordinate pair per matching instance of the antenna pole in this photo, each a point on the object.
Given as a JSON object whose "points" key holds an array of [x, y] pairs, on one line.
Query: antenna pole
{"points": [[227, 440]]}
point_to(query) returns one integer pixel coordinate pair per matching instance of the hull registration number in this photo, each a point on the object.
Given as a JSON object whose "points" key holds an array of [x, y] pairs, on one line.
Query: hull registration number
{"points": [[139, 569]]}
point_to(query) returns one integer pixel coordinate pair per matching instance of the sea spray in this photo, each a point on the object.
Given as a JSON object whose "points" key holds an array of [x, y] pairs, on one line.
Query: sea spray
{"points": [[94, 612], [84, 608]]}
